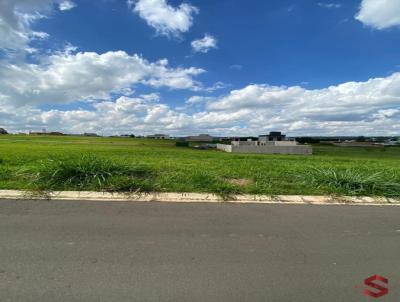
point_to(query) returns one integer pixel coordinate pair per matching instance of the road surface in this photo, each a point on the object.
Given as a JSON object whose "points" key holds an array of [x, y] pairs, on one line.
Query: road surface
{"points": [[119, 251]]}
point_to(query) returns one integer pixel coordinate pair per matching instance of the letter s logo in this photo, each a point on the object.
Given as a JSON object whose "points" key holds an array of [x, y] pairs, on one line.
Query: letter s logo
{"points": [[381, 290]]}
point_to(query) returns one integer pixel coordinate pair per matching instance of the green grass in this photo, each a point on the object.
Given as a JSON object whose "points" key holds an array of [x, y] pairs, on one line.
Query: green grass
{"points": [[131, 165], [87, 172], [353, 181]]}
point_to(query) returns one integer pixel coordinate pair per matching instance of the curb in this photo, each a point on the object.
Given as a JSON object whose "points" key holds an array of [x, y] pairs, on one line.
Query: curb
{"points": [[198, 198]]}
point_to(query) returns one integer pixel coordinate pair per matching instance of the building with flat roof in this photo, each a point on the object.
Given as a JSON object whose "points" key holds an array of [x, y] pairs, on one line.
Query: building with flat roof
{"points": [[158, 136], [274, 143], [273, 136]]}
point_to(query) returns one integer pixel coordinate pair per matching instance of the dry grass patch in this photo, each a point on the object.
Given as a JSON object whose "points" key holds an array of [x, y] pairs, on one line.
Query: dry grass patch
{"points": [[241, 182]]}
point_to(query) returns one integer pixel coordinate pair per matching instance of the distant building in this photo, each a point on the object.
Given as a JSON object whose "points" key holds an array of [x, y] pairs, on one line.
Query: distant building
{"points": [[273, 136], [200, 138], [158, 136], [3, 131], [241, 138], [274, 143]]}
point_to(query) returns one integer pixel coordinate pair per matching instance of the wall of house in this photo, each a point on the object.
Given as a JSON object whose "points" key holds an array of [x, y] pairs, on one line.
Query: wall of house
{"points": [[297, 149], [226, 148], [301, 150], [244, 143], [264, 143], [278, 143]]}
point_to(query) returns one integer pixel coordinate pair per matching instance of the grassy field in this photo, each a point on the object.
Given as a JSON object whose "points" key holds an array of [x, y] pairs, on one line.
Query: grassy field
{"points": [[126, 164]]}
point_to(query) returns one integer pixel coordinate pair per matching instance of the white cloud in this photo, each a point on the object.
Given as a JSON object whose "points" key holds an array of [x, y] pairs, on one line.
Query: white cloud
{"points": [[197, 99], [66, 5], [329, 5], [352, 108], [216, 86], [16, 18], [370, 107], [379, 14], [205, 44], [68, 77], [125, 115], [166, 19], [236, 67]]}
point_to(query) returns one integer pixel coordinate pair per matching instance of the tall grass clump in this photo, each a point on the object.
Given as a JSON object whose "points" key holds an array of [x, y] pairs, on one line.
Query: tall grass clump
{"points": [[208, 182], [5, 172], [89, 172], [353, 181]]}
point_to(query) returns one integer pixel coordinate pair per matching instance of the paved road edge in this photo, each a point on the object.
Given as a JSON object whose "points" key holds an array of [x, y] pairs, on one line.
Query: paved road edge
{"points": [[198, 197]]}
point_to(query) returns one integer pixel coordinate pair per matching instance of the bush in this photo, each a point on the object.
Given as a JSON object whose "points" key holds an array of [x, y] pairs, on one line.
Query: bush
{"points": [[354, 182], [89, 172]]}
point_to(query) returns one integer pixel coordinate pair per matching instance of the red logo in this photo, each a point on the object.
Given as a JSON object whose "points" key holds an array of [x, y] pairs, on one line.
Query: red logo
{"points": [[379, 290]]}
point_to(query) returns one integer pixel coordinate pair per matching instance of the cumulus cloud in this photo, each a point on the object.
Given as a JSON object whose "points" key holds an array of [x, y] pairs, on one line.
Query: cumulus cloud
{"points": [[16, 18], [352, 108], [166, 19], [66, 5], [124, 115], [107, 81], [197, 99], [68, 77], [379, 14], [205, 44]]}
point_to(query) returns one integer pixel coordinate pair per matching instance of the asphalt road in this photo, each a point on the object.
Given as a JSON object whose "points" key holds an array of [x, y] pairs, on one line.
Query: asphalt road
{"points": [[117, 251]]}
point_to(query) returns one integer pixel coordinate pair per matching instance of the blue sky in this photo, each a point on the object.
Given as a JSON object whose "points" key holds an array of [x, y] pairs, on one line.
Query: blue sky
{"points": [[220, 67]]}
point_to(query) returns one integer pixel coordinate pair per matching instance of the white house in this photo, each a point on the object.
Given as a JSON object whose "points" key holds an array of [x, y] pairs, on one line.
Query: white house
{"points": [[158, 136], [267, 144]]}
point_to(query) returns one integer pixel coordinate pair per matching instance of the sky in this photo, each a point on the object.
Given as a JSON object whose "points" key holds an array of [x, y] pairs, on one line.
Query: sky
{"points": [[230, 67]]}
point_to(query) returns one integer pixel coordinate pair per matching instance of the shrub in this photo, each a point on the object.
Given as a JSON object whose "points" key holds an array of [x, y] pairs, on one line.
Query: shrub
{"points": [[353, 181]]}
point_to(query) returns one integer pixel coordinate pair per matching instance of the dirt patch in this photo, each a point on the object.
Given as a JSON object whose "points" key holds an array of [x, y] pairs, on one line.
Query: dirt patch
{"points": [[242, 182]]}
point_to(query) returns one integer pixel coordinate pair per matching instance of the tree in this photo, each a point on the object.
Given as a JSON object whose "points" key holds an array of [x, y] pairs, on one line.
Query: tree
{"points": [[3, 131]]}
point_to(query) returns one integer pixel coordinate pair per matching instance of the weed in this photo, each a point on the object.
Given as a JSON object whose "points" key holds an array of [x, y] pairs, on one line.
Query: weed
{"points": [[4, 173], [88, 172], [353, 181]]}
